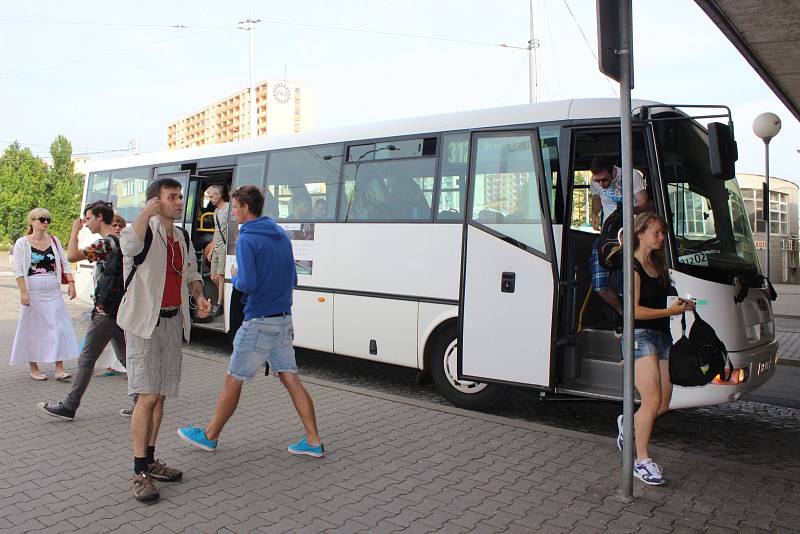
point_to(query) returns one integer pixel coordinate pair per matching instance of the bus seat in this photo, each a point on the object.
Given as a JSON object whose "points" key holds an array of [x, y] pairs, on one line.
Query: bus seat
{"points": [[407, 199], [489, 216]]}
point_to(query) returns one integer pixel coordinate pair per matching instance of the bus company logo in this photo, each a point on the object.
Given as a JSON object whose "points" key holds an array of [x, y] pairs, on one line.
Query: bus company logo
{"points": [[281, 92]]}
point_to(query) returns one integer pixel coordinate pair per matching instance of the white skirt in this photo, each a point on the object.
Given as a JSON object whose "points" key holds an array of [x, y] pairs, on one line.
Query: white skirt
{"points": [[44, 332]]}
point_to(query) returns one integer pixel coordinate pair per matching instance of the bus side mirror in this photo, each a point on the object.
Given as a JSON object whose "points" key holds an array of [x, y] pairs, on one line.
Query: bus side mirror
{"points": [[722, 151]]}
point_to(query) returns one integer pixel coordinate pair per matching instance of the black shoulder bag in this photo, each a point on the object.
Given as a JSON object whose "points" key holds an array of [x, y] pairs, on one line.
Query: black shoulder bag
{"points": [[695, 360]]}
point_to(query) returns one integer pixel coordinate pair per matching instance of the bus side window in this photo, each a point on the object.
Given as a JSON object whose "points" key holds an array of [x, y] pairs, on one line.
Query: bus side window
{"points": [[453, 179], [97, 189], [128, 187], [388, 190], [304, 182]]}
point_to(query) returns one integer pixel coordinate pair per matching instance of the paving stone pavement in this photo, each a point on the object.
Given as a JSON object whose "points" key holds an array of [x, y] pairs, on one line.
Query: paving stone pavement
{"points": [[395, 464]]}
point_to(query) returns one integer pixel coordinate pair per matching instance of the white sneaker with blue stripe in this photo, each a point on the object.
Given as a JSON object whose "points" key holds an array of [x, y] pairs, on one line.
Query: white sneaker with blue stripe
{"points": [[648, 472]]}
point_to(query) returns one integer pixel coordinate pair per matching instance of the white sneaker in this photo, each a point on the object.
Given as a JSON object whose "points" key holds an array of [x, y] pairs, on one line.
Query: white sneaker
{"points": [[648, 472]]}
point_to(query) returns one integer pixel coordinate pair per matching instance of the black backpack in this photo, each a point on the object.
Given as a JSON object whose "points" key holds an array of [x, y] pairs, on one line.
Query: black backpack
{"points": [[111, 287], [609, 239], [695, 360]]}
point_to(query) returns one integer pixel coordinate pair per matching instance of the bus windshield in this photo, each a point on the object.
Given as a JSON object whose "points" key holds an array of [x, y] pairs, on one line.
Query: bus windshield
{"points": [[712, 232]]}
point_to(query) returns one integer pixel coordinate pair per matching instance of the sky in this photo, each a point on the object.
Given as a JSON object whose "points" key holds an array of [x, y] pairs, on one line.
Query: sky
{"points": [[105, 73]]}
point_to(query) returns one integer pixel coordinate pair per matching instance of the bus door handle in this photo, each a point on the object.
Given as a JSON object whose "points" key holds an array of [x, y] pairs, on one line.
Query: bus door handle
{"points": [[508, 282]]}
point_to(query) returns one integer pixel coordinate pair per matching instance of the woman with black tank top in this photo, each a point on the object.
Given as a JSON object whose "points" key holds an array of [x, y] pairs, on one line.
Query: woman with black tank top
{"points": [[652, 339]]}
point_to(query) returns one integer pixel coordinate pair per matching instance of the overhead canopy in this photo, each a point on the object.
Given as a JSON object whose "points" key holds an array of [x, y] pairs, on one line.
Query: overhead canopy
{"points": [[767, 33]]}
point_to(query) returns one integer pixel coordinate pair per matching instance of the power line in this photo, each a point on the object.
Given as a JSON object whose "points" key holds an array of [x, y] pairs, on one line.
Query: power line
{"points": [[95, 56], [273, 22], [591, 50], [114, 24]]}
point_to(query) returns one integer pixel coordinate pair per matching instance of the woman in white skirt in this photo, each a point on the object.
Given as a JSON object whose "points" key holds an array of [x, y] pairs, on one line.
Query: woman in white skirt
{"points": [[44, 332]]}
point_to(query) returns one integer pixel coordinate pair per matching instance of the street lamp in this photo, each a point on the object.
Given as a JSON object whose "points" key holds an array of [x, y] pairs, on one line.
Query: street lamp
{"points": [[390, 148], [766, 126]]}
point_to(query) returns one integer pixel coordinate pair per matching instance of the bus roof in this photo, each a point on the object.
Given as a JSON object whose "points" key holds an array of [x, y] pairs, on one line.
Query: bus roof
{"points": [[595, 108]]}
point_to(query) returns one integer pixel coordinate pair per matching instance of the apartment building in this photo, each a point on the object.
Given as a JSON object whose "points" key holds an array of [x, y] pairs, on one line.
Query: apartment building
{"points": [[281, 107]]}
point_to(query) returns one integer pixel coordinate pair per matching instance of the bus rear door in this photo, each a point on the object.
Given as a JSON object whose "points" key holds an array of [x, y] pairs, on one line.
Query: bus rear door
{"points": [[508, 275]]}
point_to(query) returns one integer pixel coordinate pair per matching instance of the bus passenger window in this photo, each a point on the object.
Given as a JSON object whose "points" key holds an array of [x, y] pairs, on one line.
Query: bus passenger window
{"points": [[455, 154], [388, 190], [128, 188], [304, 183], [582, 202], [98, 187]]}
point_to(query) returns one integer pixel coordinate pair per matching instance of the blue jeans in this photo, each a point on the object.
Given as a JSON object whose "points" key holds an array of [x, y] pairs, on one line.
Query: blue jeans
{"points": [[647, 341], [260, 340]]}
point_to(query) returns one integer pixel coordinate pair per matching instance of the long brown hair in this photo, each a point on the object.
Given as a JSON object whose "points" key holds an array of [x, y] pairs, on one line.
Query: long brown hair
{"points": [[659, 258]]}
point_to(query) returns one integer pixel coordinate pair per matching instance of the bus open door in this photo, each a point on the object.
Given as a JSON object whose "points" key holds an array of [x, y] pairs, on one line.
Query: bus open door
{"points": [[508, 273]]}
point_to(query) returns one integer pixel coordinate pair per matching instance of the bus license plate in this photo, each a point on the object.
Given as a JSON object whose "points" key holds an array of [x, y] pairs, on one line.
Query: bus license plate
{"points": [[763, 367]]}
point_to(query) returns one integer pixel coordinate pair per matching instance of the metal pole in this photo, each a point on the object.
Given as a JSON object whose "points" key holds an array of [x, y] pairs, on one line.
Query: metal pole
{"points": [[533, 83], [626, 60], [251, 29], [767, 205]]}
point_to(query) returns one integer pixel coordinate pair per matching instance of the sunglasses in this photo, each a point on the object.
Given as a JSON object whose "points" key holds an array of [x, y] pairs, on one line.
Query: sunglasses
{"points": [[44, 220]]}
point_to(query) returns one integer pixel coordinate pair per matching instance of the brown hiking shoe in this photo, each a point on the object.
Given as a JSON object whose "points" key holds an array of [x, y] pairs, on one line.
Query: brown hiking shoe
{"points": [[143, 488], [159, 471]]}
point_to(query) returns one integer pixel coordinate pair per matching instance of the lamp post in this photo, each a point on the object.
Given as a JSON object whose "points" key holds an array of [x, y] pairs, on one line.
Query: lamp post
{"points": [[766, 126]]}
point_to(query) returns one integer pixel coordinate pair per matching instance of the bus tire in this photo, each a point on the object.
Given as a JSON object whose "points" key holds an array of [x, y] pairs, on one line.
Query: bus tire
{"points": [[443, 367]]}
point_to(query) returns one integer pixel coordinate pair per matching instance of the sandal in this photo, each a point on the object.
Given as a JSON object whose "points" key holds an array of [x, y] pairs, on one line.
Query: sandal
{"points": [[63, 377], [39, 377]]}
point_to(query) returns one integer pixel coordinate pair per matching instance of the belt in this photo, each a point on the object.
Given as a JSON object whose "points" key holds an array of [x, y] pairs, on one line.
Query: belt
{"points": [[169, 313], [281, 314]]}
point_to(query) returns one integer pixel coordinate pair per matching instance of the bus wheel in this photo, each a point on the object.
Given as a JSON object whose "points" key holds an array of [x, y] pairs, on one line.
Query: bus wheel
{"points": [[443, 363]]}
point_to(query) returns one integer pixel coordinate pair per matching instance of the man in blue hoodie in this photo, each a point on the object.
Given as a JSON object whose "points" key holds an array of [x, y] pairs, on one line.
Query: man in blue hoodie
{"points": [[266, 275]]}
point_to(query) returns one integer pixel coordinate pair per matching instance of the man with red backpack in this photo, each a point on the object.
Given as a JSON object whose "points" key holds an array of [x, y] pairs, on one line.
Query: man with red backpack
{"points": [[105, 253]]}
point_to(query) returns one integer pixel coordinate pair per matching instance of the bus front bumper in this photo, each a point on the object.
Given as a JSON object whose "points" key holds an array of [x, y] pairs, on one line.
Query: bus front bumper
{"points": [[757, 365]]}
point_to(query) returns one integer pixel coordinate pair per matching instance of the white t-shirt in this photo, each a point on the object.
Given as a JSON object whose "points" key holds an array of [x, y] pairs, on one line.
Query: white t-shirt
{"points": [[613, 193]]}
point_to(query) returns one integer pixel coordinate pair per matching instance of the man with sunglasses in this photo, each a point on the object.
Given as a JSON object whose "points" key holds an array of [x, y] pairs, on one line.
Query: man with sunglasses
{"points": [[103, 328], [606, 190]]}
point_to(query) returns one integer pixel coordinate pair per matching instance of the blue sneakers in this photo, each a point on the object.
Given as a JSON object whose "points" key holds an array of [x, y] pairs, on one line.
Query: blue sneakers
{"points": [[197, 436], [619, 435], [303, 447], [648, 472]]}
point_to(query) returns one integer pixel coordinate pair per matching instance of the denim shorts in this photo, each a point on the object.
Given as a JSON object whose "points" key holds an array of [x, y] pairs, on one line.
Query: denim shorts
{"points": [[647, 341], [260, 340]]}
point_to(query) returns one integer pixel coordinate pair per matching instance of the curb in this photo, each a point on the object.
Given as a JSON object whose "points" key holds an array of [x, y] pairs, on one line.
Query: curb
{"points": [[758, 470]]}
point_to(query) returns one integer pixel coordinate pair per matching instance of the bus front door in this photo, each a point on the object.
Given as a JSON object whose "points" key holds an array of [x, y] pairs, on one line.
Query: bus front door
{"points": [[507, 272]]}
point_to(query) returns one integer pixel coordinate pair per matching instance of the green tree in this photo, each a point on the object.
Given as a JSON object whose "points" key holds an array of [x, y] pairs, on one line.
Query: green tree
{"points": [[26, 182], [22, 187], [63, 188]]}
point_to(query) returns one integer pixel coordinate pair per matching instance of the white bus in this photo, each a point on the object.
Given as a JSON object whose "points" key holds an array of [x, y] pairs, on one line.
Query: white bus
{"points": [[458, 244]]}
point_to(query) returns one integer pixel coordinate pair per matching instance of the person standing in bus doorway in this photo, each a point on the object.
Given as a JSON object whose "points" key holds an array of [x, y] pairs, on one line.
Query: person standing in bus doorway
{"points": [[266, 275], [220, 247], [652, 339], [606, 190], [154, 314], [44, 331], [103, 328]]}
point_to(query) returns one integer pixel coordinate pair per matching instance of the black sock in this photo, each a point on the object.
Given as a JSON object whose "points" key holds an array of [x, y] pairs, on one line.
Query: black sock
{"points": [[139, 465], [151, 454]]}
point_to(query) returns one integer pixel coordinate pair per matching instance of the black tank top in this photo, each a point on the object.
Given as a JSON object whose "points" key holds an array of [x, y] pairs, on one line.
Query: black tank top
{"points": [[652, 294]]}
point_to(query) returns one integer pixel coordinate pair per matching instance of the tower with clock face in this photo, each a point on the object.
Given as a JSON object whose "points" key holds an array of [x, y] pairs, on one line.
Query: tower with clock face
{"points": [[281, 93]]}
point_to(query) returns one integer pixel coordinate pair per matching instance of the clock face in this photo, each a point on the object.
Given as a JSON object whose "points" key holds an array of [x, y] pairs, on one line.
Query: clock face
{"points": [[281, 92]]}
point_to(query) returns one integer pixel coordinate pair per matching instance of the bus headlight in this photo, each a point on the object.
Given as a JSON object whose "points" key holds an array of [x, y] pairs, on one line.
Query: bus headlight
{"points": [[738, 376]]}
